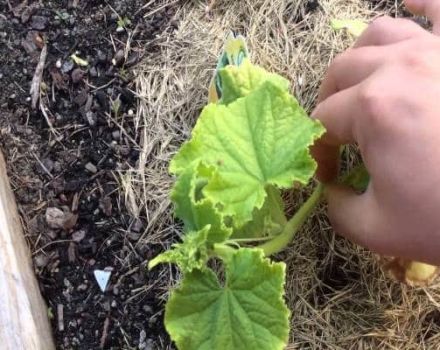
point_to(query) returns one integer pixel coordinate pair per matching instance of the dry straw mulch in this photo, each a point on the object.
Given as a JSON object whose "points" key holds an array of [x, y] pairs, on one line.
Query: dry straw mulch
{"points": [[339, 296]]}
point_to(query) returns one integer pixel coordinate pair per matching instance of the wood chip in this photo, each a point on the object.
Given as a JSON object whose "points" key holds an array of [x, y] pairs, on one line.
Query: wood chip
{"points": [[71, 252], [38, 75], [104, 333]]}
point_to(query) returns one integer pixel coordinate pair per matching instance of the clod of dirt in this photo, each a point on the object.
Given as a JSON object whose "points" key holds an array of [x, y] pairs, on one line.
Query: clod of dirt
{"points": [[77, 75], [58, 219], [54, 217], [39, 22], [78, 236]]}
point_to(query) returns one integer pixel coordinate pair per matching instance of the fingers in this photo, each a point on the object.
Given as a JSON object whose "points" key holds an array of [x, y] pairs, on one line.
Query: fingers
{"points": [[327, 158], [428, 8], [352, 67], [386, 30], [356, 217], [337, 113]]}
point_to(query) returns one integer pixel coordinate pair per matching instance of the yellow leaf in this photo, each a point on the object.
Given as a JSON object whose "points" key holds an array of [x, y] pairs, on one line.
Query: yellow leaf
{"points": [[354, 26], [79, 61], [412, 273]]}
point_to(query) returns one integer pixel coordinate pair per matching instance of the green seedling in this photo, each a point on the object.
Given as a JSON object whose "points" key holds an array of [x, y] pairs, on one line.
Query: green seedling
{"points": [[244, 151]]}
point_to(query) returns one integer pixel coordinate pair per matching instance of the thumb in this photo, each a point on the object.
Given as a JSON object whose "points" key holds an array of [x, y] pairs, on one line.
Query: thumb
{"points": [[355, 216], [428, 8]]}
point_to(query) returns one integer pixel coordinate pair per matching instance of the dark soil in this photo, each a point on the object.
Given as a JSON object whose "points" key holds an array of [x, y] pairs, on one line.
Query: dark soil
{"points": [[62, 163]]}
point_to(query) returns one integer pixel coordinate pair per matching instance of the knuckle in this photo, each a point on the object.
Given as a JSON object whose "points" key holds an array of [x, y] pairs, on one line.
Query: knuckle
{"points": [[421, 55], [414, 59], [370, 99]]}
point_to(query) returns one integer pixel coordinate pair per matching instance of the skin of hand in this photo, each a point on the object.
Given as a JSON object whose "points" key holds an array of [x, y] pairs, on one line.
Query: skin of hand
{"points": [[384, 95]]}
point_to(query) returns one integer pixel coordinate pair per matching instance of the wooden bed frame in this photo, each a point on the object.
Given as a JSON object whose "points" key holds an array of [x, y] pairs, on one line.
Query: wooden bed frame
{"points": [[24, 323]]}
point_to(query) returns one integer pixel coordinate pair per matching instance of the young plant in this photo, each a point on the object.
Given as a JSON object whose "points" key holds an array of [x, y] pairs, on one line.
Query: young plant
{"points": [[243, 152]]}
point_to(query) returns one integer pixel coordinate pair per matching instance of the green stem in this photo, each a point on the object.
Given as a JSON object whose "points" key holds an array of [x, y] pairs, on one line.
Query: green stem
{"points": [[249, 240], [294, 224], [223, 251]]}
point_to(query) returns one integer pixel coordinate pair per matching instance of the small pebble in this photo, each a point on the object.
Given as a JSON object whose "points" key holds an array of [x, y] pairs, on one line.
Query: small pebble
{"points": [[116, 134], [106, 305], [102, 57], [118, 59], [39, 22], [142, 336], [67, 66], [58, 64], [91, 118], [93, 72], [78, 236], [82, 287], [77, 75], [91, 167]]}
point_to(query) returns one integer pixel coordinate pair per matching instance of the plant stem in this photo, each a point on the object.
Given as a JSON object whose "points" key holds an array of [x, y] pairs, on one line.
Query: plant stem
{"points": [[294, 224], [249, 240], [223, 251]]}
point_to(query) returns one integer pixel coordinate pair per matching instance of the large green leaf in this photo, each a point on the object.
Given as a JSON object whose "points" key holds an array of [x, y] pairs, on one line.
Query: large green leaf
{"points": [[248, 312], [239, 81], [197, 213], [258, 140]]}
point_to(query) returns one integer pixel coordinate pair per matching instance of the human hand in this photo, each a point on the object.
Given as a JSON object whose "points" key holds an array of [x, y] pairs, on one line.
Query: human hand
{"points": [[384, 95]]}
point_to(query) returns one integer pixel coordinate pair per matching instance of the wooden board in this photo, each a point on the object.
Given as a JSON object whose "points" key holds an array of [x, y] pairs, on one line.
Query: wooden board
{"points": [[24, 323]]}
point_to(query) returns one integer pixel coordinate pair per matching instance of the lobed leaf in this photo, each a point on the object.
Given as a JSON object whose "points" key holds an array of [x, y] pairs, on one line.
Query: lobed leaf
{"points": [[248, 312], [189, 255], [198, 213], [240, 81], [259, 140]]}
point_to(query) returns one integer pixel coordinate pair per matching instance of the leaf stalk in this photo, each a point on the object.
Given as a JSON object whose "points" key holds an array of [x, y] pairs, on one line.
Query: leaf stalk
{"points": [[280, 242]]}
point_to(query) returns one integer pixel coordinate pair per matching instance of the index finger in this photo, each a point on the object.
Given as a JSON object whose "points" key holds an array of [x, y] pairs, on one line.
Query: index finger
{"points": [[338, 114]]}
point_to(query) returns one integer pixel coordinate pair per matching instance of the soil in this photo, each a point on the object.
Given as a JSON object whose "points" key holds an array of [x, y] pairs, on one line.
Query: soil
{"points": [[63, 157]]}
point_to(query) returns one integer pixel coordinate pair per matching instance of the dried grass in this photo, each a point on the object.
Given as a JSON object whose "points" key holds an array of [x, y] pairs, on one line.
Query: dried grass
{"points": [[338, 294]]}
